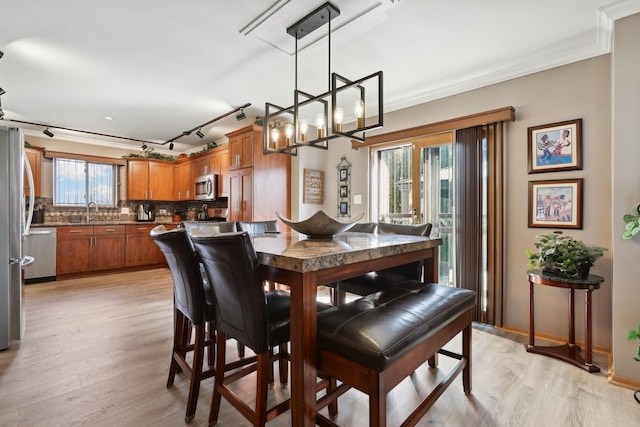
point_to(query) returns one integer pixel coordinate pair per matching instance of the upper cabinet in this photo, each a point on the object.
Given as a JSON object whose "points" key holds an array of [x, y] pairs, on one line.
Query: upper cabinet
{"points": [[183, 181], [241, 145], [35, 161], [150, 180]]}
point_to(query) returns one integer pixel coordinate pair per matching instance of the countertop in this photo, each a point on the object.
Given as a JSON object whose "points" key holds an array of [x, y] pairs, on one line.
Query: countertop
{"points": [[76, 224]]}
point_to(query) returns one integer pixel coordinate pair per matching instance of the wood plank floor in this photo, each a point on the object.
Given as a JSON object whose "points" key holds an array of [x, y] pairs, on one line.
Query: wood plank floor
{"points": [[96, 353]]}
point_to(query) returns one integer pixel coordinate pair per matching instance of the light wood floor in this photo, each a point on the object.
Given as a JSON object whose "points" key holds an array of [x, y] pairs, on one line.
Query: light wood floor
{"points": [[96, 353]]}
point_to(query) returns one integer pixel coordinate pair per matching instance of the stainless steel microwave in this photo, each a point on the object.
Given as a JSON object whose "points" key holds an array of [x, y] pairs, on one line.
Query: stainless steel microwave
{"points": [[206, 187]]}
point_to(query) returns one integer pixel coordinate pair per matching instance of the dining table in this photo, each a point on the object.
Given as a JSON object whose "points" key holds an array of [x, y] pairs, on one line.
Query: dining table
{"points": [[305, 263]]}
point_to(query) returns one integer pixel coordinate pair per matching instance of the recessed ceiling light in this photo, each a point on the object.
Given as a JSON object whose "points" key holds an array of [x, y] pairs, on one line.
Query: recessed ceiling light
{"points": [[108, 118]]}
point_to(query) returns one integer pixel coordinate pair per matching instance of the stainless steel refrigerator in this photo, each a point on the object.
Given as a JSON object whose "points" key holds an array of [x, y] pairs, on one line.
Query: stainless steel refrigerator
{"points": [[14, 225]]}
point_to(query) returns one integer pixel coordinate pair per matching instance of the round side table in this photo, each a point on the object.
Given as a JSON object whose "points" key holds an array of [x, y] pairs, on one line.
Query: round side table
{"points": [[568, 352]]}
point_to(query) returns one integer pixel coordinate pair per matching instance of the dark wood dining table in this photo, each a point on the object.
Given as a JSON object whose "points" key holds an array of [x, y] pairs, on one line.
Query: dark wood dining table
{"points": [[304, 264]]}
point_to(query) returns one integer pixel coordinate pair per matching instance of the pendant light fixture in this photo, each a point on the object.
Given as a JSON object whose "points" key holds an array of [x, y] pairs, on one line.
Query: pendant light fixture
{"points": [[341, 111]]}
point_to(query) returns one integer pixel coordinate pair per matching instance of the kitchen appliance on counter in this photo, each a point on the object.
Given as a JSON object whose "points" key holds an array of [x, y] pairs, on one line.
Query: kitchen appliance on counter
{"points": [[206, 187], [146, 213]]}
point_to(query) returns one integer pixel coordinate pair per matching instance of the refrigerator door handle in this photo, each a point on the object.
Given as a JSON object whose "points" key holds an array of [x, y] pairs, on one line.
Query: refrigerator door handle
{"points": [[32, 197]]}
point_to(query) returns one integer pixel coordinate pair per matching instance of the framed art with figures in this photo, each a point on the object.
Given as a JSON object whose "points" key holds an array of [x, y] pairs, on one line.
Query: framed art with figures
{"points": [[555, 147], [555, 204]]}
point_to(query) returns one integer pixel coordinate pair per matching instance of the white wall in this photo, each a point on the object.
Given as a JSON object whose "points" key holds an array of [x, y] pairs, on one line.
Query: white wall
{"points": [[625, 187]]}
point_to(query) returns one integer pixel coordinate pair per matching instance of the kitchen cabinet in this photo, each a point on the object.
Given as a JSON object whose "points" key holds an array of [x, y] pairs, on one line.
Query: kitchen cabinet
{"points": [[223, 182], [140, 248], [108, 247], [241, 143], [35, 161], [256, 192], [150, 180], [85, 248], [73, 249], [200, 166], [241, 195], [183, 181]]}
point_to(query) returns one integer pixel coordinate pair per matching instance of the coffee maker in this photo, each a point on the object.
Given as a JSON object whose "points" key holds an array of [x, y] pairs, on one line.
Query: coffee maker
{"points": [[146, 212]]}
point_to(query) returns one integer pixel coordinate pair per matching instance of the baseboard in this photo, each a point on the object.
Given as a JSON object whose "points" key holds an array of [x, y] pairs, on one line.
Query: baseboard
{"points": [[555, 339]]}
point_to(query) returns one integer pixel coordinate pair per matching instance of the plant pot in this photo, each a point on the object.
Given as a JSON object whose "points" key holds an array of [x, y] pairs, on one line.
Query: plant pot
{"points": [[583, 270], [551, 270]]}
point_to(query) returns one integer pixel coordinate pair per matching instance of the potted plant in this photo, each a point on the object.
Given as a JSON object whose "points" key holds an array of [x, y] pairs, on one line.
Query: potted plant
{"points": [[562, 255], [633, 223], [635, 335]]}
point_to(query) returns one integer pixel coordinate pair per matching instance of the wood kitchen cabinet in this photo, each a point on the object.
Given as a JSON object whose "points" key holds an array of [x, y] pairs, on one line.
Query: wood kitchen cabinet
{"points": [[219, 164], [150, 180], [140, 247], [256, 192], [241, 144], [241, 195], [108, 247], [86, 248], [200, 165], [34, 158], [183, 181], [73, 249]]}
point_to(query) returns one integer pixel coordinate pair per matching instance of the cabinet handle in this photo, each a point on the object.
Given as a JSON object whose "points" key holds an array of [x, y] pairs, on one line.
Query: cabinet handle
{"points": [[75, 231], [109, 230], [151, 194]]}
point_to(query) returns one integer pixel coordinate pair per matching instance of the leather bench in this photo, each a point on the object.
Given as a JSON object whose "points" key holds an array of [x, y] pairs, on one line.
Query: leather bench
{"points": [[373, 343]]}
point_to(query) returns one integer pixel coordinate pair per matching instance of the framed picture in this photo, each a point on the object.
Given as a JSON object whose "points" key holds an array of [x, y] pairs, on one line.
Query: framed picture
{"points": [[555, 204], [344, 174], [344, 191], [313, 186], [555, 147], [344, 208]]}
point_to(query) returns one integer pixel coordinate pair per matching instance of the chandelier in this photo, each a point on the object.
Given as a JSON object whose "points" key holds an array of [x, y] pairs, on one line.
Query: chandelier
{"points": [[314, 120]]}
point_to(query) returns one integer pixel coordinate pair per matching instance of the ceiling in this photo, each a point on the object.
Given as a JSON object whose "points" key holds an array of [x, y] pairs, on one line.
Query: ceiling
{"points": [[159, 68]]}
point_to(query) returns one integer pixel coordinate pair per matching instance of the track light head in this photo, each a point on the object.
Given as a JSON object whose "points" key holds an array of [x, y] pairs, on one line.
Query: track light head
{"points": [[200, 134], [144, 146], [1, 54], [2, 91], [1, 113], [48, 133], [241, 115], [171, 146]]}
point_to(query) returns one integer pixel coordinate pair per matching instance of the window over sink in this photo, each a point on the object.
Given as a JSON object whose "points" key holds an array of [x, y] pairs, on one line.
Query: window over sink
{"points": [[78, 182]]}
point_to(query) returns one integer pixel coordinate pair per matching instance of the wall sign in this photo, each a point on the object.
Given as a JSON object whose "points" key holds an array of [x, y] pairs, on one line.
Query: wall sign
{"points": [[313, 186]]}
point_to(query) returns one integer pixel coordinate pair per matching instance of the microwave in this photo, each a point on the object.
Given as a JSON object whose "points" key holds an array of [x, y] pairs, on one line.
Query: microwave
{"points": [[206, 187]]}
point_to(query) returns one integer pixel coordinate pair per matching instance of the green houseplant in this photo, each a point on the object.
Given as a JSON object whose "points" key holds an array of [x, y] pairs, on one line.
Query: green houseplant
{"points": [[562, 255], [633, 223], [635, 335]]}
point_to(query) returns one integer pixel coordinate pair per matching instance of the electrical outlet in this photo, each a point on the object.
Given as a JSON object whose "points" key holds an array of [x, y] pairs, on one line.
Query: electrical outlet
{"points": [[163, 211], [357, 199], [124, 211]]}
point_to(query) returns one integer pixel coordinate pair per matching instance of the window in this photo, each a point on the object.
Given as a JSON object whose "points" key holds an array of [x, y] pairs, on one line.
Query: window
{"points": [[78, 182]]}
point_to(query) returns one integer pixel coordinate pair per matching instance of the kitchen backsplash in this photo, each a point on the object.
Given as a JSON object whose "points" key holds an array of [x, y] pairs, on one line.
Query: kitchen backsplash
{"points": [[58, 214]]}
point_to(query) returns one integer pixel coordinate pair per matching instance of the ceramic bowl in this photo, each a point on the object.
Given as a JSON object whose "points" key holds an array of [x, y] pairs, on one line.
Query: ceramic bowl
{"points": [[319, 225]]}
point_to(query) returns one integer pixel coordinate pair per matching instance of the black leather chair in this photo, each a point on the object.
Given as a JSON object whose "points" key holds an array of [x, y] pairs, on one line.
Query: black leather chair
{"points": [[193, 308], [378, 280], [243, 311], [259, 227], [210, 227]]}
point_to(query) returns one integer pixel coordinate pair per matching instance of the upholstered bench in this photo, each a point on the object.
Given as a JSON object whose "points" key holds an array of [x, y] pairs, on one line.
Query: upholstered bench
{"points": [[374, 342]]}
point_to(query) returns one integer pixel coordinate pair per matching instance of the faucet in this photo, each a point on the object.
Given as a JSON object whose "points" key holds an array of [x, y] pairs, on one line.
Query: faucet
{"points": [[88, 206]]}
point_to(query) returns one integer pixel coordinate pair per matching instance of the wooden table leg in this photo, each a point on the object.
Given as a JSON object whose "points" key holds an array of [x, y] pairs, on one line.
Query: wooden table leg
{"points": [[572, 319], [587, 330], [303, 351], [531, 316]]}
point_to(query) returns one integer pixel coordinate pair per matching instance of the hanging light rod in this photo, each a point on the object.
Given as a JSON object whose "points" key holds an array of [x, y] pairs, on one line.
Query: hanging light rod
{"points": [[144, 141], [199, 127]]}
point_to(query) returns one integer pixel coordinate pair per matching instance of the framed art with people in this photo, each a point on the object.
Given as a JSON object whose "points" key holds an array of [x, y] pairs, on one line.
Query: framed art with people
{"points": [[555, 203], [555, 147]]}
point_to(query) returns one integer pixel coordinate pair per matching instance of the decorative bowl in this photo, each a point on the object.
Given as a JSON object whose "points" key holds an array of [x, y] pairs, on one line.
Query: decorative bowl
{"points": [[319, 225]]}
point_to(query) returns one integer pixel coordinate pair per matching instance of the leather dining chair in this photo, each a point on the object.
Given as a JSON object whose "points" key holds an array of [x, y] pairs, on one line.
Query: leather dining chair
{"points": [[259, 227], [193, 304], [375, 281], [243, 311]]}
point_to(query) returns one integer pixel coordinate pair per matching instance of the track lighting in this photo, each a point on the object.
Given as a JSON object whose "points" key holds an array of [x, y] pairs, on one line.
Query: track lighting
{"points": [[144, 146], [241, 115], [200, 134], [2, 91], [171, 146], [48, 133], [1, 54], [1, 113]]}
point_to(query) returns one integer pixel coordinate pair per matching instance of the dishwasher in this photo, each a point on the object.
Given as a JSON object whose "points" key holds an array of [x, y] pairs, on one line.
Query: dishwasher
{"points": [[41, 245]]}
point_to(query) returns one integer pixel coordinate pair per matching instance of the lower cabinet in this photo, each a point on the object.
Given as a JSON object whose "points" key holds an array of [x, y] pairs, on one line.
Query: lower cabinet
{"points": [[89, 248], [86, 248], [140, 247]]}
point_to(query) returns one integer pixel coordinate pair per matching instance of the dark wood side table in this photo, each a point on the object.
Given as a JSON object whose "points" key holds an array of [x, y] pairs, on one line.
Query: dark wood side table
{"points": [[568, 352]]}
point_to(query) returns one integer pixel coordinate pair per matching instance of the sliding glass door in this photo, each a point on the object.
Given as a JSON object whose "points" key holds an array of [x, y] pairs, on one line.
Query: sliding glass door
{"points": [[413, 184]]}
